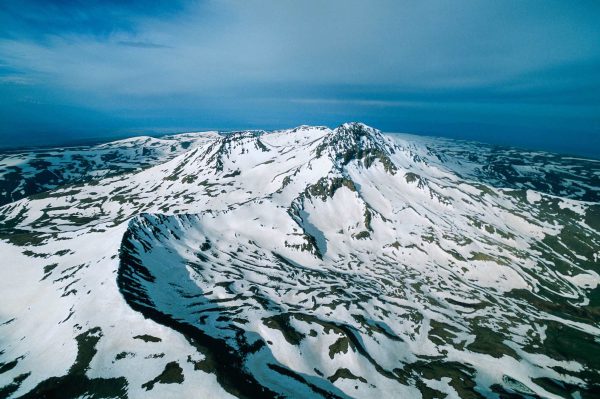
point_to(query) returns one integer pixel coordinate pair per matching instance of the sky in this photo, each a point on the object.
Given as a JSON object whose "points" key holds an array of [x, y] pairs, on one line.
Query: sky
{"points": [[523, 73]]}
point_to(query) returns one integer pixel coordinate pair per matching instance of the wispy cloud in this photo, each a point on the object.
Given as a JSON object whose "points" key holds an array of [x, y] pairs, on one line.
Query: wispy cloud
{"points": [[42, 19], [128, 43], [15, 79], [400, 64]]}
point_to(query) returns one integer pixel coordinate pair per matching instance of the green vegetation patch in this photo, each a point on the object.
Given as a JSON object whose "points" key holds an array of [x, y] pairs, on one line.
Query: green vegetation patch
{"points": [[172, 374], [282, 323], [341, 345], [147, 338], [76, 383], [347, 374]]}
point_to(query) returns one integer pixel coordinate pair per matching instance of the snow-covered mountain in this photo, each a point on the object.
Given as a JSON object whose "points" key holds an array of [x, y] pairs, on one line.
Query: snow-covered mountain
{"points": [[310, 262], [26, 173]]}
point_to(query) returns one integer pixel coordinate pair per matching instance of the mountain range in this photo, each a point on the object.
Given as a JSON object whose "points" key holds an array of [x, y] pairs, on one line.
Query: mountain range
{"points": [[301, 263]]}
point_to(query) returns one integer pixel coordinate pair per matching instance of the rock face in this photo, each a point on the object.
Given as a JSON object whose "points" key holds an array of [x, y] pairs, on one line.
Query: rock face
{"points": [[303, 263]]}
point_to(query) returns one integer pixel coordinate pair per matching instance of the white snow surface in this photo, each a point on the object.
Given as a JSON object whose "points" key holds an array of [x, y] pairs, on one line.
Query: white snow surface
{"points": [[355, 264]]}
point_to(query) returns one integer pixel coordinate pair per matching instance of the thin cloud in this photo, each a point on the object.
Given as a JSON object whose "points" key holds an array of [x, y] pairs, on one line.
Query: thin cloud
{"points": [[15, 79], [142, 44]]}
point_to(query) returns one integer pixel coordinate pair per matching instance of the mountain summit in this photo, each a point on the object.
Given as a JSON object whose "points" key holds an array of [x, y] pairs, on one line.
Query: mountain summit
{"points": [[309, 262]]}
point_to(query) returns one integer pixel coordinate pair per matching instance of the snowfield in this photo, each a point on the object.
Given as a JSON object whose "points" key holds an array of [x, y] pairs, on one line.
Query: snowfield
{"points": [[310, 262]]}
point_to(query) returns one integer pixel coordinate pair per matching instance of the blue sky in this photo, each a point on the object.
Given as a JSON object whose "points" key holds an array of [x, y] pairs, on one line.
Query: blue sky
{"points": [[511, 72]]}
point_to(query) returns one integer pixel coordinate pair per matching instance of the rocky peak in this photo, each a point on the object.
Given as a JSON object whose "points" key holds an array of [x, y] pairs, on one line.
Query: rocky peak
{"points": [[357, 141]]}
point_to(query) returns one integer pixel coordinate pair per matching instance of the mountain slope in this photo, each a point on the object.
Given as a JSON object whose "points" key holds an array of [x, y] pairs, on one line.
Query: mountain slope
{"points": [[304, 263], [24, 174]]}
